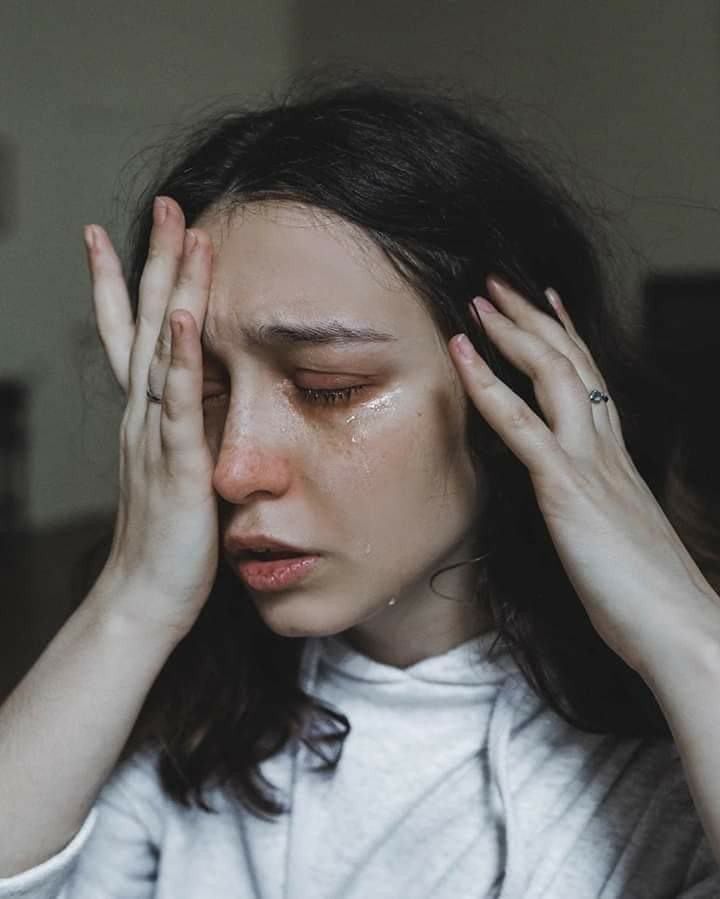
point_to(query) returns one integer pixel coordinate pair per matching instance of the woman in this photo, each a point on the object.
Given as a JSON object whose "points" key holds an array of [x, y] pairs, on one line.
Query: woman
{"points": [[344, 531]]}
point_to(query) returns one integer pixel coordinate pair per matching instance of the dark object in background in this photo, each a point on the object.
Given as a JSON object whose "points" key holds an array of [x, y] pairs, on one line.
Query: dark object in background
{"points": [[40, 567], [44, 575], [682, 317], [14, 443], [682, 313], [45, 571]]}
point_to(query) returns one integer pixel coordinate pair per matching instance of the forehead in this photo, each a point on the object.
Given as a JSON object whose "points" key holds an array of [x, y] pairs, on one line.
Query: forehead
{"points": [[275, 239], [302, 262], [259, 222]]}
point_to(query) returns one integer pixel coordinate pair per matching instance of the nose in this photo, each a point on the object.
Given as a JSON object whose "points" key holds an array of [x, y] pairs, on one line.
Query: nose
{"points": [[244, 469], [251, 461]]}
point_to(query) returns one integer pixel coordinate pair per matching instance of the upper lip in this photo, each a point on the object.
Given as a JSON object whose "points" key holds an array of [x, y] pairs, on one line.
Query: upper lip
{"points": [[239, 546]]}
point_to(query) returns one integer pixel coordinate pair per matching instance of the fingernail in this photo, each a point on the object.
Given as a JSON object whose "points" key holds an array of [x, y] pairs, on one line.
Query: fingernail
{"points": [[553, 298], [465, 348], [89, 234], [190, 241], [483, 305], [160, 211], [500, 282]]}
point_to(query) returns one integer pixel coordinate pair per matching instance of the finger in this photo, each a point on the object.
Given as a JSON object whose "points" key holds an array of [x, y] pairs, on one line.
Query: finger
{"points": [[561, 393], [520, 429], [111, 302], [193, 283], [564, 316], [181, 442], [157, 282], [190, 294], [527, 316], [519, 310]]}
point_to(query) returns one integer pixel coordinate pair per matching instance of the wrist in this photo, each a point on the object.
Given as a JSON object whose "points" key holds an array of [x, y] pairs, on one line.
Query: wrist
{"points": [[689, 647], [128, 609]]}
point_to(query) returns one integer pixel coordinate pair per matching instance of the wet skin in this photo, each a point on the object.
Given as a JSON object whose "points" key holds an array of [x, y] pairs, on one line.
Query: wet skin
{"points": [[376, 477]]}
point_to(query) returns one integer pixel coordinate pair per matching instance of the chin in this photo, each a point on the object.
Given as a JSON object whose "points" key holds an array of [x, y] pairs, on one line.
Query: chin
{"points": [[289, 616]]}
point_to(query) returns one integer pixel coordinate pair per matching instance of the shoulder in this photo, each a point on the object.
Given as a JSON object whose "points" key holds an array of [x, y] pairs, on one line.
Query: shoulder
{"points": [[622, 804]]}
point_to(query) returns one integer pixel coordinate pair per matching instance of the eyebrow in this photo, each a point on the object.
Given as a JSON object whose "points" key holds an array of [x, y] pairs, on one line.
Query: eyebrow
{"points": [[332, 333]]}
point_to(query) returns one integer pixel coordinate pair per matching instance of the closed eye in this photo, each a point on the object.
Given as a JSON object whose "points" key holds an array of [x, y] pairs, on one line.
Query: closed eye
{"points": [[313, 395], [338, 395]]}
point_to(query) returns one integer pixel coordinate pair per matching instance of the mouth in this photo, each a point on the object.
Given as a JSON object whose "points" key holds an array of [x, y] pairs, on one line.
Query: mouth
{"points": [[268, 555], [274, 570], [260, 547]]}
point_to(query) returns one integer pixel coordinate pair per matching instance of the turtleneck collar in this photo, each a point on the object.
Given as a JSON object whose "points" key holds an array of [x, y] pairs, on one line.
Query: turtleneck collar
{"points": [[470, 662]]}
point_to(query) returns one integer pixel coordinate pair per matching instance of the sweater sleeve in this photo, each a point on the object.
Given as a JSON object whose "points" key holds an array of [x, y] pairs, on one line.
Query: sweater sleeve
{"points": [[48, 879], [113, 855]]}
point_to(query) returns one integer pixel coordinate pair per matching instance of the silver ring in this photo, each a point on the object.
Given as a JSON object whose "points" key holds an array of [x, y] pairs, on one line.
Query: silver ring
{"points": [[597, 396], [151, 396]]}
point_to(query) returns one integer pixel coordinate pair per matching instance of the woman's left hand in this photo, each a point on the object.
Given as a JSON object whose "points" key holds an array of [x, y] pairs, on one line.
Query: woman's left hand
{"points": [[635, 578]]}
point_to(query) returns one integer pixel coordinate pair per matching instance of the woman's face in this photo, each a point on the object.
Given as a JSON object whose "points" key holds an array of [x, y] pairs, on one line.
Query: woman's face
{"points": [[376, 480]]}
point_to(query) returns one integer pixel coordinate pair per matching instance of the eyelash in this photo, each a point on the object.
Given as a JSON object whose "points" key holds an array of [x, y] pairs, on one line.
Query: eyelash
{"points": [[317, 396]]}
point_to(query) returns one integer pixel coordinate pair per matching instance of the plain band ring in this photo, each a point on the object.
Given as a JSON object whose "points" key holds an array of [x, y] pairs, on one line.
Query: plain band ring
{"points": [[597, 396], [151, 396]]}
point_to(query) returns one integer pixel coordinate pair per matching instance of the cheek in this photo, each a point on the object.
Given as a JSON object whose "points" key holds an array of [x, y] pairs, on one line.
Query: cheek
{"points": [[401, 492], [405, 458], [392, 454]]}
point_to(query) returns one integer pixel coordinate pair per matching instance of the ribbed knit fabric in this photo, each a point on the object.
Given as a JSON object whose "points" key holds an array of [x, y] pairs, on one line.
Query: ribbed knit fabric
{"points": [[456, 781]]}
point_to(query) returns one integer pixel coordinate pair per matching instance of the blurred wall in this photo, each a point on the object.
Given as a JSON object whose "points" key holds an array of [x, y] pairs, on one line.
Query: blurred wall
{"points": [[627, 94], [84, 86]]}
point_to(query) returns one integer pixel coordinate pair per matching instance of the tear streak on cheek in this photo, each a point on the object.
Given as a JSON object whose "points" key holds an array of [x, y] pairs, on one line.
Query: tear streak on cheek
{"points": [[383, 405], [364, 417]]}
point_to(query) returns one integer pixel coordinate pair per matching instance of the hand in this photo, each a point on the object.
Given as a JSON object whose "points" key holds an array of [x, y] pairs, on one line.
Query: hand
{"points": [[634, 576], [165, 546]]}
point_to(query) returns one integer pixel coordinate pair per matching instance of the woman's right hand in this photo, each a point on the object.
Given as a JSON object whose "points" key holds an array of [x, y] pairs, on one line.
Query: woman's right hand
{"points": [[164, 555]]}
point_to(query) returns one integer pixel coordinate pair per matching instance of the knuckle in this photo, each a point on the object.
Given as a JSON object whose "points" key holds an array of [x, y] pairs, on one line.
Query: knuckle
{"points": [[185, 280], [519, 416], [578, 354], [557, 364], [160, 251], [174, 409], [580, 342], [163, 345]]}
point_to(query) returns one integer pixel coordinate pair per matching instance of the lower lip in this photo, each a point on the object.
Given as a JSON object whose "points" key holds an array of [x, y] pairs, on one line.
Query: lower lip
{"points": [[278, 574]]}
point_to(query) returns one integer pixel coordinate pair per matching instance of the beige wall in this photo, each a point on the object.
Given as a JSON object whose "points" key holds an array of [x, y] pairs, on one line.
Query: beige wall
{"points": [[83, 86], [628, 93]]}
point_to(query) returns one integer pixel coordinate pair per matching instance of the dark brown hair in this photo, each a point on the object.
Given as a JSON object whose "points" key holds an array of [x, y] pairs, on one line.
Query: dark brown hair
{"points": [[448, 200]]}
